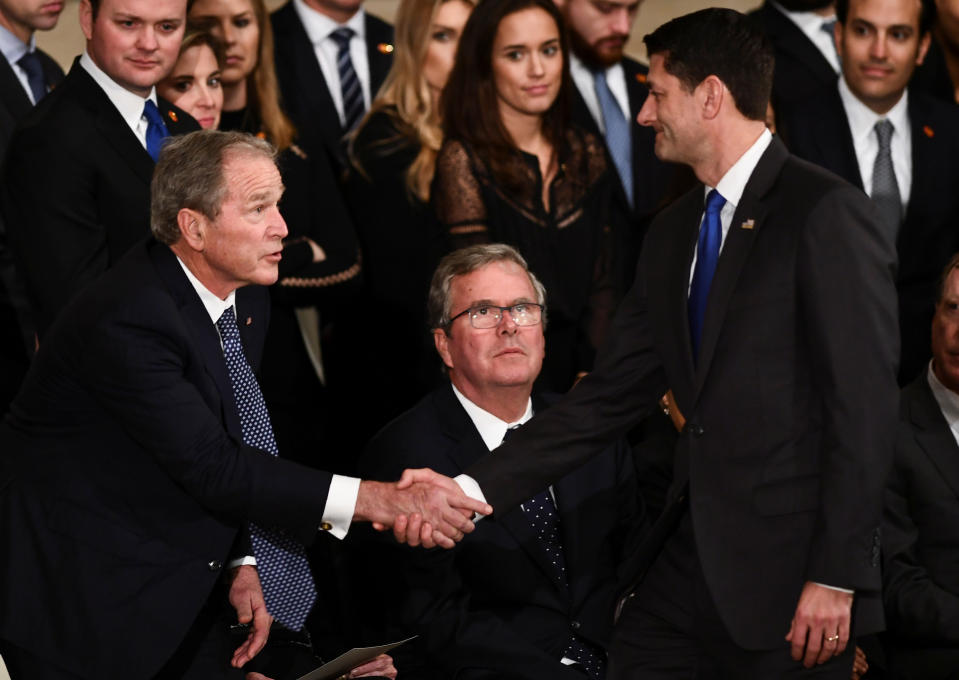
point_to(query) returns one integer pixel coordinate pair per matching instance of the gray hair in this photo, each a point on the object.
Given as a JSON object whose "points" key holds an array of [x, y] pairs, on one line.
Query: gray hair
{"points": [[465, 261], [189, 174]]}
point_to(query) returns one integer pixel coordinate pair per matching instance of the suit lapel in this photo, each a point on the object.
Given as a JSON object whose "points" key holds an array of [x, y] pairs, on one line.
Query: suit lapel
{"points": [[747, 222], [111, 124], [12, 94], [379, 44], [791, 40], [927, 159], [677, 262], [201, 328], [932, 432], [833, 140]]}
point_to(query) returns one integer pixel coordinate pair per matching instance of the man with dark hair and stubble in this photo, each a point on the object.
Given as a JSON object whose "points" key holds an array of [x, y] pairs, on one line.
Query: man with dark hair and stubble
{"points": [[898, 144], [764, 299], [610, 91]]}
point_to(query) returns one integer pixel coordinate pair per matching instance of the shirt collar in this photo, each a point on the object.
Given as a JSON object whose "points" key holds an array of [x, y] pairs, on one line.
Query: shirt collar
{"points": [[128, 104], [318, 26], [862, 119], [13, 48], [214, 306], [808, 22], [947, 399], [490, 428], [733, 183]]}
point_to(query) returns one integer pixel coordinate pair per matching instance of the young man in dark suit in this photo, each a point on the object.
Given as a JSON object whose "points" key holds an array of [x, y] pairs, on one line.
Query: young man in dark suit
{"points": [[331, 58], [26, 75], [139, 458], [801, 32], [507, 602], [911, 172], [610, 91], [921, 520], [75, 185], [771, 315]]}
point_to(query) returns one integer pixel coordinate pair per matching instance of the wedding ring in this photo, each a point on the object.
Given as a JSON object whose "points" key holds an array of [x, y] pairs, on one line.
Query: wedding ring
{"points": [[832, 638]]}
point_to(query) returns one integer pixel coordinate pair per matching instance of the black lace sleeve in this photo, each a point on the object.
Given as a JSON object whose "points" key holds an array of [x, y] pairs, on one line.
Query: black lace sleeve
{"points": [[457, 197]]}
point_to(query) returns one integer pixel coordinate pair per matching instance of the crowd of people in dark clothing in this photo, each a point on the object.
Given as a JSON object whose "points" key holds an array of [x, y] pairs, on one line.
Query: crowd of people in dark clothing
{"points": [[506, 145]]}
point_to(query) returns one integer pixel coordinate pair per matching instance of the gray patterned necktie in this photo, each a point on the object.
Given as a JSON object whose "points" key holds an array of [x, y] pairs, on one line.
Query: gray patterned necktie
{"points": [[885, 189], [618, 135]]}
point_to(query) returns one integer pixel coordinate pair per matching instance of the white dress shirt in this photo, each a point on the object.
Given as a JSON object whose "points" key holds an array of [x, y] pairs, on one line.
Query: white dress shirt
{"points": [[731, 187], [586, 84], [811, 24], [948, 402], [341, 499], [318, 29], [13, 50], [862, 121], [128, 104]]}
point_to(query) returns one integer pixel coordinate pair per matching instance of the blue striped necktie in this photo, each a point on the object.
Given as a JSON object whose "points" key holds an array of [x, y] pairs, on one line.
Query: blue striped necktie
{"points": [[280, 561], [353, 106]]}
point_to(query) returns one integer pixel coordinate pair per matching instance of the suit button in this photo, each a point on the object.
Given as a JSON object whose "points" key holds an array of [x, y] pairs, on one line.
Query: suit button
{"points": [[214, 565], [575, 625], [326, 526], [696, 430]]}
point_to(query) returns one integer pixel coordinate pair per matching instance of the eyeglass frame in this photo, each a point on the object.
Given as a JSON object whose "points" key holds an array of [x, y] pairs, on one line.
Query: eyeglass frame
{"points": [[508, 308]]}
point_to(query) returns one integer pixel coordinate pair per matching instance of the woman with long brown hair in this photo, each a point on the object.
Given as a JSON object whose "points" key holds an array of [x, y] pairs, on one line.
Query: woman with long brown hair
{"points": [[514, 169]]}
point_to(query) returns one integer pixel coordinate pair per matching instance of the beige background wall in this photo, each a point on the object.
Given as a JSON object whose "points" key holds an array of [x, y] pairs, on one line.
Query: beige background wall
{"points": [[66, 40]]}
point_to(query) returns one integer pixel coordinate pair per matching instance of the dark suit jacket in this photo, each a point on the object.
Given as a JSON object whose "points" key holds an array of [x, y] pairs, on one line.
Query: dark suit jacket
{"points": [[801, 69], [819, 132], [306, 95], [123, 482], [789, 408], [491, 607], [76, 190], [921, 536], [651, 177], [16, 325]]}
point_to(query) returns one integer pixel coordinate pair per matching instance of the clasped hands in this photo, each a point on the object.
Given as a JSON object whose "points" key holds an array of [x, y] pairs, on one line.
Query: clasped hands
{"points": [[423, 508]]}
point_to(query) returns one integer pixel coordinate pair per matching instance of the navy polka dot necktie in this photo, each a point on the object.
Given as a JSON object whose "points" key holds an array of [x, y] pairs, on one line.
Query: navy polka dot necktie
{"points": [[544, 518], [281, 561]]}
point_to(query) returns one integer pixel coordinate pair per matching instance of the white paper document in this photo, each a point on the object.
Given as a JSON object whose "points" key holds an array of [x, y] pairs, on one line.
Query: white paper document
{"points": [[347, 661]]}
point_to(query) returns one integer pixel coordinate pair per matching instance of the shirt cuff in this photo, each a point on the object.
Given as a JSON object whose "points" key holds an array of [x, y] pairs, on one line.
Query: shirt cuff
{"points": [[471, 489], [340, 505], [841, 590], [240, 561]]}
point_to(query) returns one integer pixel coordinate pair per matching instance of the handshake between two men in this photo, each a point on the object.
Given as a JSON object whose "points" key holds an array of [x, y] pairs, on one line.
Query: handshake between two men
{"points": [[423, 508]]}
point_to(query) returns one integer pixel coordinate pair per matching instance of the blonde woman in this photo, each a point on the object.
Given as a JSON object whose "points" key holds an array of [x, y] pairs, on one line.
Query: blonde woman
{"points": [[393, 153]]}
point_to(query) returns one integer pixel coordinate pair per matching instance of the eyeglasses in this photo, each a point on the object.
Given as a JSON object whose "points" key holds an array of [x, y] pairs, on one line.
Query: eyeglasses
{"points": [[489, 316]]}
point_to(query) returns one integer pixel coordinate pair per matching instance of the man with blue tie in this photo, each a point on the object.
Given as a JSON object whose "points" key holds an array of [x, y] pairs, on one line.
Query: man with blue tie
{"points": [[142, 503], [75, 185], [765, 300]]}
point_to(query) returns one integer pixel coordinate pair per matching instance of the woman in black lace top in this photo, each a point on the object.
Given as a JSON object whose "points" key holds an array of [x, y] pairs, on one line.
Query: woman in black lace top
{"points": [[515, 170]]}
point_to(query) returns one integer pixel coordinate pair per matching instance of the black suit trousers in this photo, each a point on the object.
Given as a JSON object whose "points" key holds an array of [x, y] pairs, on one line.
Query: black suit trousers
{"points": [[670, 628]]}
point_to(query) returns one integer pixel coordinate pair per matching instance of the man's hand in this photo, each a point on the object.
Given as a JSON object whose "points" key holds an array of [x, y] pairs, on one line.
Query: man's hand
{"points": [[380, 667], [859, 665], [423, 508], [820, 627], [246, 597]]}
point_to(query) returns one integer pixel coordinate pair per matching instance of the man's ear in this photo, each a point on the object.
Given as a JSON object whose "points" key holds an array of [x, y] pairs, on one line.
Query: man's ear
{"points": [[86, 19], [924, 43], [193, 226], [712, 91], [441, 342]]}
